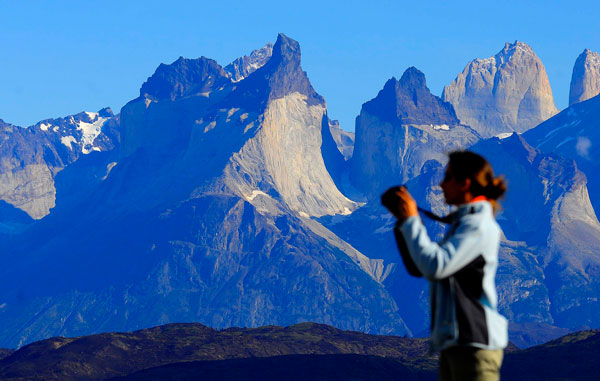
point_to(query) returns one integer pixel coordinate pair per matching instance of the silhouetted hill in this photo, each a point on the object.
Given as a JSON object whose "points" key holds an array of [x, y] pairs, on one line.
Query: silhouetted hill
{"points": [[118, 354], [572, 357]]}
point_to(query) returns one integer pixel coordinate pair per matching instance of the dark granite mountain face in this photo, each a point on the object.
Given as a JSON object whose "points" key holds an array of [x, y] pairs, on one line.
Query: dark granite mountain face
{"points": [[400, 130], [585, 81], [409, 101], [280, 76], [184, 77], [574, 134]]}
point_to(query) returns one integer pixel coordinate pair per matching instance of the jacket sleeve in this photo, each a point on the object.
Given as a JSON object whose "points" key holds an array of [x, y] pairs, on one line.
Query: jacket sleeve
{"points": [[438, 261]]}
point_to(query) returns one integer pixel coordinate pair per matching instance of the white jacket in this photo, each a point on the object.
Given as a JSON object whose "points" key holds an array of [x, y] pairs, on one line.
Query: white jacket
{"points": [[461, 270]]}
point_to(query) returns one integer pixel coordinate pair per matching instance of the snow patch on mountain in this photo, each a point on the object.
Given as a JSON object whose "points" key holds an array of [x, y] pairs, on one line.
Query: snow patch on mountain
{"points": [[90, 132], [68, 141]]}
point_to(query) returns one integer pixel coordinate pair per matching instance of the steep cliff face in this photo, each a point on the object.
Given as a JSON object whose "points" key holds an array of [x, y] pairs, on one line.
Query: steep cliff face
{"points": [[343, 139], [504, 93], [31, 157], [288, 141], [585, 82], [401, 129]]}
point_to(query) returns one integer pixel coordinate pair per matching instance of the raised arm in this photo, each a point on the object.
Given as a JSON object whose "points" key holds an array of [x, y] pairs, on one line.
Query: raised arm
{"points": [[438, 261]]}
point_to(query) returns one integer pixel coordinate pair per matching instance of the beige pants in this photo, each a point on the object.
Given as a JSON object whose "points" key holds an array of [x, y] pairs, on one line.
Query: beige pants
{"points": [[469, 363]]}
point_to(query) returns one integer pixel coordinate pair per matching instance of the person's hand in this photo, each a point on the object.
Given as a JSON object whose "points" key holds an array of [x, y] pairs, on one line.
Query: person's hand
{"points": [[400, 203]]}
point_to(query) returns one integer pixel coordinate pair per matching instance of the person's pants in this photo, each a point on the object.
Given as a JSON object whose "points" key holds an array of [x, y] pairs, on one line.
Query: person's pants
{"points": [[470, 364]]}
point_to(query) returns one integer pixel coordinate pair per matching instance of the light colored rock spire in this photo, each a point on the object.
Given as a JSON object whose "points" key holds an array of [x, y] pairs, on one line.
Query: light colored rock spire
{"points": [[585, 82], [504, 93]]}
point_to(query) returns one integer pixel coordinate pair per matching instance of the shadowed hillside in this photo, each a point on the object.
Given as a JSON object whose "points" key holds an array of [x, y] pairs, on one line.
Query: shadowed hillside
{"points": [[118, 354]]}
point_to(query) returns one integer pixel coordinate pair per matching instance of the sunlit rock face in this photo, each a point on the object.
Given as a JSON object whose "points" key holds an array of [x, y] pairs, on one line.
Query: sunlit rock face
{"points": [[31, 157], [343, 139], [288, 148], [400, 130], [585, 82], [504, 93]]}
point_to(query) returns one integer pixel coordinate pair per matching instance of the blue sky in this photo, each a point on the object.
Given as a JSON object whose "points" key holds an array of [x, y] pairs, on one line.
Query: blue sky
{"points": [[62, 57]]}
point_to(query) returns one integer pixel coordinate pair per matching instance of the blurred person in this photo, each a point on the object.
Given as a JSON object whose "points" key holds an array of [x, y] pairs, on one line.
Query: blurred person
{"points": [[465, 324]]}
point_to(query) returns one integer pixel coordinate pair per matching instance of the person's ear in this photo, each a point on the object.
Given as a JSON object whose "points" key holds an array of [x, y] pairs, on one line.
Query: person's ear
{"points": [[465, 186]]}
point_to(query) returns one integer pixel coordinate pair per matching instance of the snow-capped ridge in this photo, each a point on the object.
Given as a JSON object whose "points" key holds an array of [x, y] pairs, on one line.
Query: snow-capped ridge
{"points": [[246, 65]]}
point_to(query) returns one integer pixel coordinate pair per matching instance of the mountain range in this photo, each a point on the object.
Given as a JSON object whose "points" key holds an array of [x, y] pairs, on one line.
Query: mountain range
{"points": [[227, 196]]}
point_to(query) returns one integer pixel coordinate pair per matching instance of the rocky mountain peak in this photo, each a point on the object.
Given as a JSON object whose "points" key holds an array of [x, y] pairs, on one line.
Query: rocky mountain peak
{"points": [[184, 77], [409, 101], [106, 112], [286, 50], [515, 49], [504, 93], [399, 130], [413, 78], [280, 76], [585, 81]]}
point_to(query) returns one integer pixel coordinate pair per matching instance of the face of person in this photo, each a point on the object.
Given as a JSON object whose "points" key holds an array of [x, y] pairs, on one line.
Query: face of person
{"points": [[454, 190]]}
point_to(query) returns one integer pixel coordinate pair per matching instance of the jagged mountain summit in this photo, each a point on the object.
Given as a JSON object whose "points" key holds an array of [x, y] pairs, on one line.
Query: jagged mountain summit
{"points": [[204, 217], [272, 120], [585, 81], [32, 157], [401, 129], [504, 93], [246, 65]]}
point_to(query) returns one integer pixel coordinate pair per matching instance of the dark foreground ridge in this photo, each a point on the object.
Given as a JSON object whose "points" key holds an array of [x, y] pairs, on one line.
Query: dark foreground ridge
{"points": [[189, 351], [183, 349]]}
